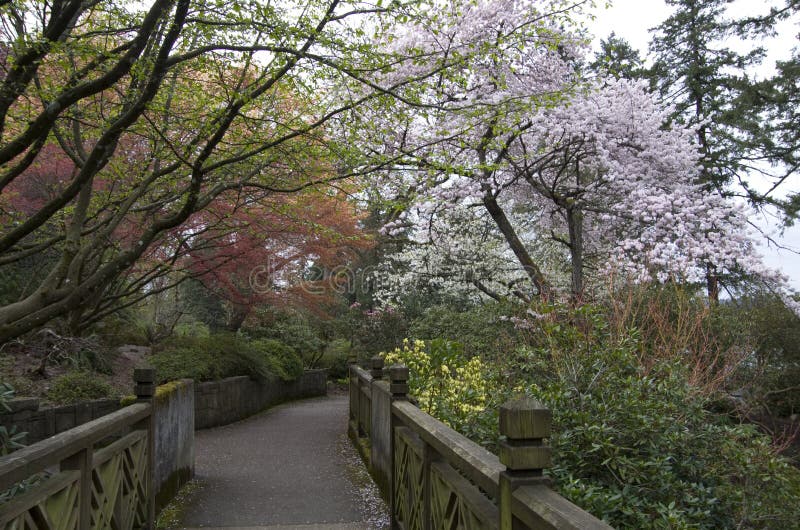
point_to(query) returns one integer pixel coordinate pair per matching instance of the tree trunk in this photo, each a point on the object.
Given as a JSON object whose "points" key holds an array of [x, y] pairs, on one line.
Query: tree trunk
{"points": [[575, 225], [510, 235], [712, 284], [75, 322], [236, 317]]}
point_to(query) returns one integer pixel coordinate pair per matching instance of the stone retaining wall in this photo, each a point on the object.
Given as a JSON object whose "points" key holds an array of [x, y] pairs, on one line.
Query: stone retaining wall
{"points": [[216, 403], [235, 398], [173, 439], [42, 423]]}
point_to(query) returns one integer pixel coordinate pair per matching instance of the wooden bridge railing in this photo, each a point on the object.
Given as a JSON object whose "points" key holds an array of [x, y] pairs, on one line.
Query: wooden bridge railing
{"points": [[436, 478], [96, 482]]}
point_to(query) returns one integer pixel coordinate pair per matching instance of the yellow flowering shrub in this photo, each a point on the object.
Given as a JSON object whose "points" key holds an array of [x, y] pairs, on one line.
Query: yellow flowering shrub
{"points": [[445, 383]]}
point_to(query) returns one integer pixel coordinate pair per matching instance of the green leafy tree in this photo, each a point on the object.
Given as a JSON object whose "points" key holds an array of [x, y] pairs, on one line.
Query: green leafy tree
{"points": [[152, 113], [779, 129], [776, 100]]}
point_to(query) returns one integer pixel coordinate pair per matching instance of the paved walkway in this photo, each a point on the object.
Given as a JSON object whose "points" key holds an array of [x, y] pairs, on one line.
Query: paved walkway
{"points": [[289, 468]]}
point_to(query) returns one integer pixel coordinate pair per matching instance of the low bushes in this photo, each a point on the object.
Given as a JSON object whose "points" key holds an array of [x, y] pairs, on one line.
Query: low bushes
{"points": [[225, 355], [336, 359], [445, 383], [10, 441], [478, 329], [74, 387], [187, 362], [278, 358], [638, 448], [634, 440]]}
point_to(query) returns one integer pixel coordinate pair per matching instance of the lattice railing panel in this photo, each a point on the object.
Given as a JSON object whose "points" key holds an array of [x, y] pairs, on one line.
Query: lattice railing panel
{"points": [[441, 480], [118, 493], [409, 480], [119, 484], [52, 505], [456, 504]]}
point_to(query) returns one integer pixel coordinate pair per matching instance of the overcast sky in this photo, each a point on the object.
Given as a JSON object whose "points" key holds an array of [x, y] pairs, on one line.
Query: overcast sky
{"points": [[631, 20]]}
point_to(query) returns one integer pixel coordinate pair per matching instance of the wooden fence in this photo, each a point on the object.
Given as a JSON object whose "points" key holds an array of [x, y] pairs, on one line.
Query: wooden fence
{"points": [[438, 479], [100, 472]]}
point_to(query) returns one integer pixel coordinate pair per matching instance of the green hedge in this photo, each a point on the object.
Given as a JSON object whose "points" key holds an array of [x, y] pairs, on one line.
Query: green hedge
{"points": [[225, 355]]}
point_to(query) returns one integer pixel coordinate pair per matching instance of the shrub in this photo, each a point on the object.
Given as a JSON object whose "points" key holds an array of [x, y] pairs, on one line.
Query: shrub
{"points": [[336, 359], [225, 355], [774, 332], [17, 384], [96, 360], [10, 439], [280, 359], [633, 441], [295, 329], [119, 330], [445, 383], [233, 355], [482, 330], [375, 330], [674, 322], [202, 358], [74, 387], [638, 448], [301, 330], [192, 328], [183, 362]]}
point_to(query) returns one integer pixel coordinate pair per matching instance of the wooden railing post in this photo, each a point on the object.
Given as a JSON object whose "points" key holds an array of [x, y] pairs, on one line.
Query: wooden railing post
{"points": [[398, 387], [82, 462], [362, 408], [376, 368], [525, 423], [354, 390], [398, 382], [145, 381]]}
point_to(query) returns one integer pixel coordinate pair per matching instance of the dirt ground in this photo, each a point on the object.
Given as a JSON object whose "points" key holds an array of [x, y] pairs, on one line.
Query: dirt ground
{"points": [[21, 367], [129, 357]]}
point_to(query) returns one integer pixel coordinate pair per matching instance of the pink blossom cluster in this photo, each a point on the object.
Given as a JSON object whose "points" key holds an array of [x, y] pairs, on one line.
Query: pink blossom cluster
{"points": [[636, 184], [509, 117]]}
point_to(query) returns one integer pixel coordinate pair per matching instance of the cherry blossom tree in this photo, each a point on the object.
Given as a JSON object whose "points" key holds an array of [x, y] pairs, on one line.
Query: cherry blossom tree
{"points": [[618, 186], [509, 59], [594, 162], [440, 257]]}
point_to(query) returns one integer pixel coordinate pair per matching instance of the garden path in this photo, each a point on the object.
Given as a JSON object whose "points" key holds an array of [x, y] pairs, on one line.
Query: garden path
{"points": [[288, 468]]}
